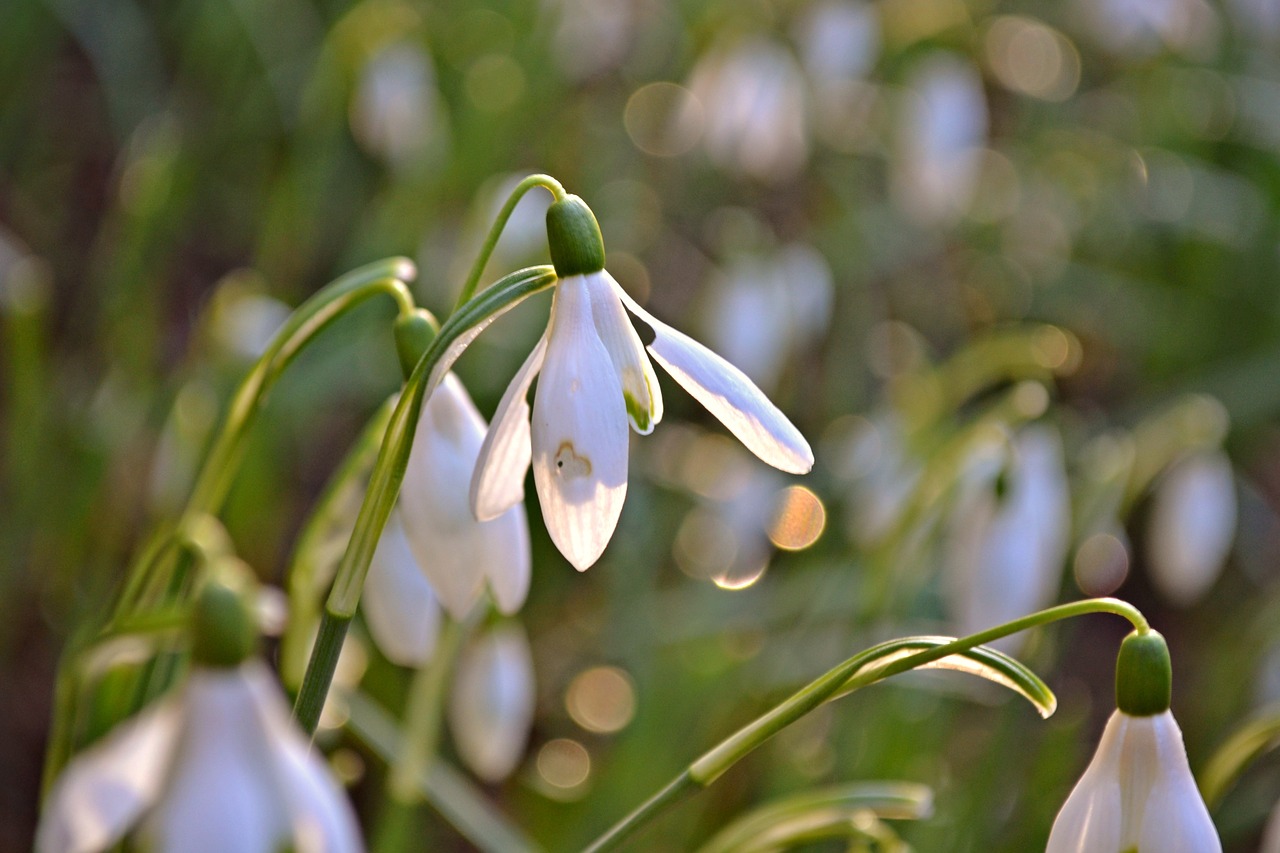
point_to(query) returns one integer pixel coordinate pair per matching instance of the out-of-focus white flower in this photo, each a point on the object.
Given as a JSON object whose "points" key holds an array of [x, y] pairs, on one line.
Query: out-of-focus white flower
{"points": [[1007, 551], [942, 133], [492, 701], [596, 377], [400, 608], [217, 767], [763, 308], [460, 555], [1193, 521], [593, 35], [1137, 794], [884, 474], [395, 110], [1140, 28], [752, 101], [839, 41]]}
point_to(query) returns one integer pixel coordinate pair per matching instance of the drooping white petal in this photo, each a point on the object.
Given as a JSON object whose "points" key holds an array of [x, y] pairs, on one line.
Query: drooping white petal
{"points": [[640, 387], [443, 534], [1091, 819], [727, 393], [103, 791], [320, 816], [1193, 520], [222, 793], [1174, 818], [492, 702], [399, 605], [579, 432], [498, 481], [506, 559]]}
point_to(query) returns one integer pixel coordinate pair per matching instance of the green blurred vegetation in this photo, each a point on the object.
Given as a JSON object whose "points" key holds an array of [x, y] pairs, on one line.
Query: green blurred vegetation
{"points": [[172, 174]]}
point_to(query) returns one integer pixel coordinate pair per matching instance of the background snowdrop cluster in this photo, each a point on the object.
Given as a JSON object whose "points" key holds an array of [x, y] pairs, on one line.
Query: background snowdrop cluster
{"points": [[1011, 269]]}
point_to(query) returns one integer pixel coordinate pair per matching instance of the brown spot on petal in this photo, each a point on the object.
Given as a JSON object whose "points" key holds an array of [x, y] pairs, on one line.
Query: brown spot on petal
{"points": [[569, 464]]}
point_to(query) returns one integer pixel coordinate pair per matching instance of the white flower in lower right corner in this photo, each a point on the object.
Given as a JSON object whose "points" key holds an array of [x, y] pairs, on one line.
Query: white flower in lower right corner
{"points": [[1137, 794]]}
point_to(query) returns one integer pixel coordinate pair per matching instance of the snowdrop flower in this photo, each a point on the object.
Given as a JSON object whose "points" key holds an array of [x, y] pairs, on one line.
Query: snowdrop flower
{"points": [[595, 377], [460, 556], [1007, 552], [1138, 793], [400, 608], [492, 702], [1193, 520], [219, 766]]}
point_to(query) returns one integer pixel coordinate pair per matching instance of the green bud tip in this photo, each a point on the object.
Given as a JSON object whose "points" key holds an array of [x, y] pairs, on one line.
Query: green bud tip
{"points": [[224, 632], [573, 235], [1144, 675], [414, 333]]}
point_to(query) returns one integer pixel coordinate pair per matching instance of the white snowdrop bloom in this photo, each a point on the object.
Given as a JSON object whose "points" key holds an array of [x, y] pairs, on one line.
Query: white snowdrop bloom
{"points": [[595, 377], [395, 109], [220, 766], [763, 308], [752, 99], [1007, 551], [940, 141], [492, 702], [1137, 794], [460, 555], [400, 608], [1192, 524]]}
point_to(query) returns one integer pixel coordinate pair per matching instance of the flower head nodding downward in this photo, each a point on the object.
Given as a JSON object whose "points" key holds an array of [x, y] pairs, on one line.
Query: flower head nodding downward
{"points": [[217, 766], [1138, 792], [596, 376]]}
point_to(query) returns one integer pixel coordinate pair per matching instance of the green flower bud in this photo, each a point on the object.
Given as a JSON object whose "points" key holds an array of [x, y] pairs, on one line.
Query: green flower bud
{"points": [[223, 629], [1144, 675], [414, 333], [573, 235]]}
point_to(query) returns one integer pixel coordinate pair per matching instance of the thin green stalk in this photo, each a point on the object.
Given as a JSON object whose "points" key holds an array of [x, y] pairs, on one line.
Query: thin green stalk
{"points": [[842, 679], [495, 231], [388, 472]]}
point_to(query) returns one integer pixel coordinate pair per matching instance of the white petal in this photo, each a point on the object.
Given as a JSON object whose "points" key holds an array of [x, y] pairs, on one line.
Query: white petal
{"points": [[104, 790], [579, 432], [492, 702], [1271, 837], [320, 815], [437, 520], [1193, 520], [222, 792], [640, 388], [1090, 820], [506, 558], [498, 482], [399, 606], [728, 394], [1174, 819]]}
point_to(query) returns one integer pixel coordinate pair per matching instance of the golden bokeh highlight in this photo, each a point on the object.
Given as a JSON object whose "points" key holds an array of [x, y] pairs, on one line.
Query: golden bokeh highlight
{"points": [[563, 764], [601, 699], [799, 521]]}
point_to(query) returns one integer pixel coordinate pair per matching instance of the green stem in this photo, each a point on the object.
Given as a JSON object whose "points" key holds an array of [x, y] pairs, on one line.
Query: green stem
{"points": [[388, 472], [500, 222], [844, 678]]}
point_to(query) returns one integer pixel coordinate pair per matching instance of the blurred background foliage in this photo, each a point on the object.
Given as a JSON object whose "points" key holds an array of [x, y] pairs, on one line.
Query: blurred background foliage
{"points": [[919, 224]]}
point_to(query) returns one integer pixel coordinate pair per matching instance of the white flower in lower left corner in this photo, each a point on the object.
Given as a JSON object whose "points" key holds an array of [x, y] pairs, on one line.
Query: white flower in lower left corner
{"points": [[217, 767]]}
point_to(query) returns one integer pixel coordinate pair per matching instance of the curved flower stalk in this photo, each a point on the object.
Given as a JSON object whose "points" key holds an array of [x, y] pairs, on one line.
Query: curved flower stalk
{"points": [[460, 556], [1138, 792], [1007, 552], [596, 377], [492, 702], [219, 766], [1193, 520]]}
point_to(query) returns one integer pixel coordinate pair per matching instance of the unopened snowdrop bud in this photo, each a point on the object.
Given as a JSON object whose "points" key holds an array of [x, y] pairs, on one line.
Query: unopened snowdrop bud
{"points": [[492, 702], [1193, 520], [414, 333], [573, 236], [1138, 793]]}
